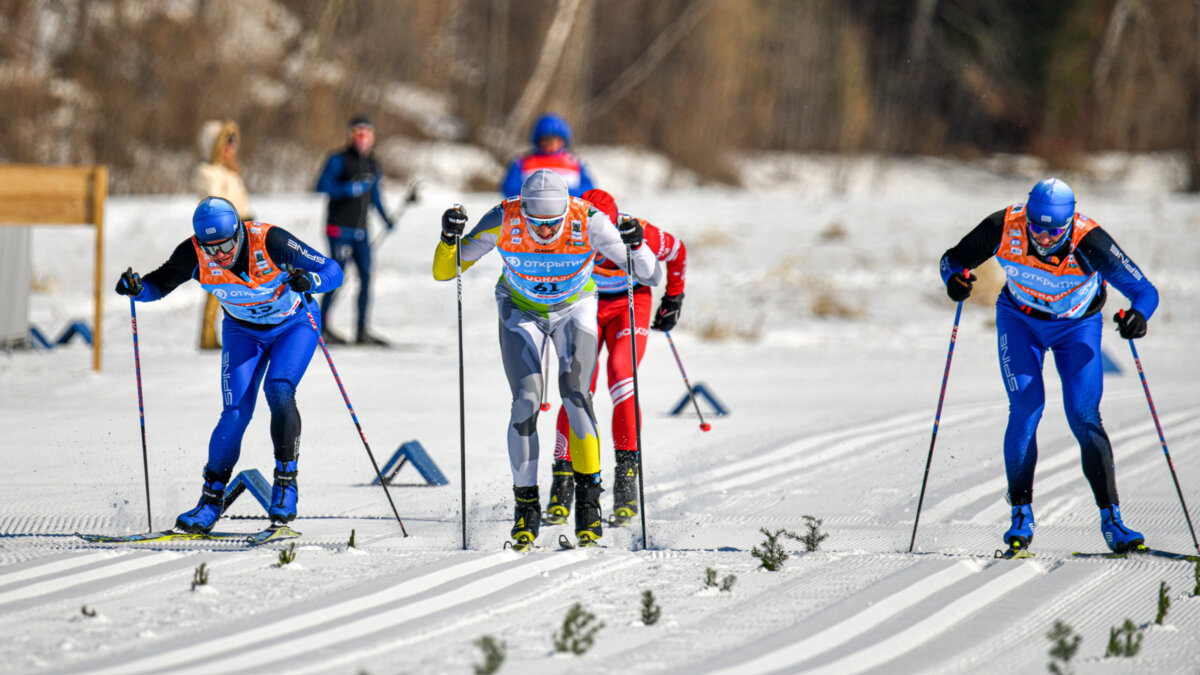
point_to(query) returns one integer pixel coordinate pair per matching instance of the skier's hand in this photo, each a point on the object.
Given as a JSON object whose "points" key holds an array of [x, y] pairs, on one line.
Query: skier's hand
{"points": [[632, 232], [1131, 324], [130, 283], [391, 225], [668, 312], [299, 280], [454, 221], [959, 285], [360, 187]]}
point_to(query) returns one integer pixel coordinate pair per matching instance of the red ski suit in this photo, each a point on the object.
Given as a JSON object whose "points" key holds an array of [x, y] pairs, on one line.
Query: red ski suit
{"points": [[612, 318]]}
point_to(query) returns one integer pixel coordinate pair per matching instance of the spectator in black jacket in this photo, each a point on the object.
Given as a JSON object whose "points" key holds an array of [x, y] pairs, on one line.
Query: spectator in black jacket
{"points": [[351, 178]]}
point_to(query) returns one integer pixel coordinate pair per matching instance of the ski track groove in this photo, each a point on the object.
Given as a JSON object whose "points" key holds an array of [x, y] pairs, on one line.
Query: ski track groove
{"points": [[18, 595], [331, 621]]}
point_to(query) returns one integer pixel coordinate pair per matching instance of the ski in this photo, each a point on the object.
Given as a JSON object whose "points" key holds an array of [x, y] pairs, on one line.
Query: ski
{"points": [[1142, 550], [273, 533], [565, 544], [1013, 553], [521, 546]]}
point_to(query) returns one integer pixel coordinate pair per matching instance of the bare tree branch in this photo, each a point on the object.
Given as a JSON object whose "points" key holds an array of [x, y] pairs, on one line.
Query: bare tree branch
{"points": [[662, 45]]}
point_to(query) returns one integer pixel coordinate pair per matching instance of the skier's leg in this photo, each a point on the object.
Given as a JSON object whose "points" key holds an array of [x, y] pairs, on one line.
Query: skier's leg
{"points": [[1021, 354], [242, 368], [1077, 357], [521, 335], [362, 260], [520, 339], [575, 337], [562, 487], [290, 353]]}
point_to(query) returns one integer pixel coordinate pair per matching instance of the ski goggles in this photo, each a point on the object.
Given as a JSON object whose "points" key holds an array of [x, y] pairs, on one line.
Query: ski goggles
{"points": [[229, 245], [1054, 232], [543, 221]]}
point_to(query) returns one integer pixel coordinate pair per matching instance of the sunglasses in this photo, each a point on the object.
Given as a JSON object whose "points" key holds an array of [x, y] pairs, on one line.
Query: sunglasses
{"points": [[542, 221], [227, 246], [1043, 229]]}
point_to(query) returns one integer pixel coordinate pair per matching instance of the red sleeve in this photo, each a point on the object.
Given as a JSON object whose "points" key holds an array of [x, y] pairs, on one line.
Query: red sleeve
{"points": [[669, 249]]}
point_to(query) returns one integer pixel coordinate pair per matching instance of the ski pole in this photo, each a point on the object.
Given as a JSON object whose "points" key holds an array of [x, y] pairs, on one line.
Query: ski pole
{"points": [[462, 400], [137, 363], [637, 407], [545, 373], [704, 426], [1162, 439], [410, 199], [346, 398], [937, 418]]}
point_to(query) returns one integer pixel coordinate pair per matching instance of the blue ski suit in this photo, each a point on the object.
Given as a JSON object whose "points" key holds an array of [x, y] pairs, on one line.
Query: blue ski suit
{"points": [[267, 333], [1053, 302]]}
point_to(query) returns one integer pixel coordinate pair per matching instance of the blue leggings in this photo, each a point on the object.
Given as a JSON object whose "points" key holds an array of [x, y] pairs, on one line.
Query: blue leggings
{"points": [[281, 355], [352, 244], [1022, 342]]}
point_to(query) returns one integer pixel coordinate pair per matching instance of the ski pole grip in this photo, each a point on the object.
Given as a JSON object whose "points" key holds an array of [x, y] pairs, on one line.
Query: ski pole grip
{"points": [[966, 274], [1121, 313], [460, 209]]}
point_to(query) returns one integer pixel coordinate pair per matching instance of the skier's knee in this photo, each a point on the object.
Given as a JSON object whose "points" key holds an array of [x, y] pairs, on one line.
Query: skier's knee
{"points": [[281, 394]]}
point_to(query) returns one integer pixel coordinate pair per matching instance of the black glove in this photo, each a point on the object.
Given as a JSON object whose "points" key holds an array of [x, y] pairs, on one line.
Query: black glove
{"points": [[299, 280], [959, 286], [632, 232], [1131, 324], [454, 221], [130, 283], [668, 312]]}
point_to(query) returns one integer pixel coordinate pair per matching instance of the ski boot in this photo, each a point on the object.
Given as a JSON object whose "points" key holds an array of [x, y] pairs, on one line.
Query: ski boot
{"points": [[560, 493], [1118, 537], [625, 492], [1020, 534], [527, 516], [588, 524], [284, 494], [201, 519], [366, 337]]}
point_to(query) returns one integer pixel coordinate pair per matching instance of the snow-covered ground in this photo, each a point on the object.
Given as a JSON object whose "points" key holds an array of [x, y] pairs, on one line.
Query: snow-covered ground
{"points": [[833, 334]]}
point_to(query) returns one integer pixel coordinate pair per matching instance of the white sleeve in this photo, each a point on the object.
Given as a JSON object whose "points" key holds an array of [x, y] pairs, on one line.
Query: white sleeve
{"points": [[607, 241]]}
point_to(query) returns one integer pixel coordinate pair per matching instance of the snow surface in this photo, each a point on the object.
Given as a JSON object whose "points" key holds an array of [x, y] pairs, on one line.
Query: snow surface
{"points": [[836, 331]]}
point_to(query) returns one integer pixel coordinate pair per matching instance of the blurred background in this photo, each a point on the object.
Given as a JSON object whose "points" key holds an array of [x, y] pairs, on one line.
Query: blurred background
{"points": [[127, 83]]}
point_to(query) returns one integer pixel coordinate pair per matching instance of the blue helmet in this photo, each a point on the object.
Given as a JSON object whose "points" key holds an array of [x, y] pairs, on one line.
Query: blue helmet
{"points": [[215, 219], [550, 125], [1051, 204]]}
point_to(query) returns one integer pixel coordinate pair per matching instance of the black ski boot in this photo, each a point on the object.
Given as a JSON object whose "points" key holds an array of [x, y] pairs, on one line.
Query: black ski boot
{"points": [[560, 493], [588, 525], [625, 489], [527, 516]]}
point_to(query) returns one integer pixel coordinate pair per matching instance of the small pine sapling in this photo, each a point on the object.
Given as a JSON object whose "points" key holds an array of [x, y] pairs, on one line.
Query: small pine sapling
{"points": [[1164, 602], [1130, 646], [710, 578], [1196, 590], [351, 544], [772, 556], [287, 555], [200, 576], [650, 610], [813, 538], [727, 583], [87, 611], [494, 652], [1064, 644], [578, 631]]}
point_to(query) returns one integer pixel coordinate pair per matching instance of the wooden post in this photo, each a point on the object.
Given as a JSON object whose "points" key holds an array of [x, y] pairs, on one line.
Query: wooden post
{"points": [[60, 195]]}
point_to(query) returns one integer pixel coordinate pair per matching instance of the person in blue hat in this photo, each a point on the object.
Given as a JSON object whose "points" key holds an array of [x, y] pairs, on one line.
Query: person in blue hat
{"points": [[263, 277], [551, 140], [1058, 263]]}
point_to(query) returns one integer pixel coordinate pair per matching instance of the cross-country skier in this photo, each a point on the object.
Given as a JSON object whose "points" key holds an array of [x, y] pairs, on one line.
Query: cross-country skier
{"points": [[352, 178], [262, 276], [612, 290], [548, 243], [551, 140], [1058, 263]]}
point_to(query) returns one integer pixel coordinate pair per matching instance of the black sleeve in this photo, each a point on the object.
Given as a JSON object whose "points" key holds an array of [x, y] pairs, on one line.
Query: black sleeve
{"points": [[180, 267], [976, 247]]}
